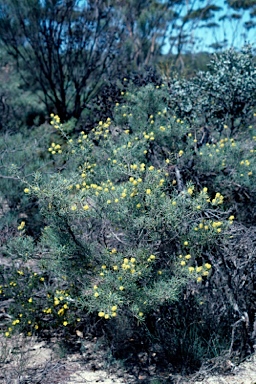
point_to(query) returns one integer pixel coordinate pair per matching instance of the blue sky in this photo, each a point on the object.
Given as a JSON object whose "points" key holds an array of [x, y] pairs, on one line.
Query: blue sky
{"points": [[229, 29]]}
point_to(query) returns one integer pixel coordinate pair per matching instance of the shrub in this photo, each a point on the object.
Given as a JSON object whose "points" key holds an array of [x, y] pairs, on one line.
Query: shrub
{"points": [[222, 96], [139, 229]]}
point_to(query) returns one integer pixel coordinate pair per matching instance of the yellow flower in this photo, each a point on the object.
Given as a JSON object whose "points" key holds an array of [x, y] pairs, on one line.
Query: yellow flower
{"points": [[151, 168], [188, 257], [207, 266], [30, 300], [121, 288], [185, 243], [148, 191], [86, 207], [65, 323], [61, 312], [182, 263], [132, 260], [114, 308], [190, 191], [7, 334], [191, 269], [26, 190], [152, 257], [101, 314], [141, 314], [96, 294], [199, 279], [113, 314]]}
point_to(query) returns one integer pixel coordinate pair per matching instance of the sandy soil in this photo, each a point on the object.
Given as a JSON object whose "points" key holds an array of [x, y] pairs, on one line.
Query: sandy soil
{"points": [[27, 360]]}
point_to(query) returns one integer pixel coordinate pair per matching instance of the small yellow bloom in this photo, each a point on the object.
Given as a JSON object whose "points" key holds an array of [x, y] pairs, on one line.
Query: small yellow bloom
{"points": [[101, 314], [121, 288], [61, 312], [26, 190], [148, 191], [30, 300], [96, 294], [207, 266], [188, 257], [199, 279], [106, 316], [114, 308], [182, 263], [185, 243], [65, 323]]}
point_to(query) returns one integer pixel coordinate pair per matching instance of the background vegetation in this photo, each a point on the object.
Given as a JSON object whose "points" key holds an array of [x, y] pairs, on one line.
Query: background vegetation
{"points": [[128, 179]]}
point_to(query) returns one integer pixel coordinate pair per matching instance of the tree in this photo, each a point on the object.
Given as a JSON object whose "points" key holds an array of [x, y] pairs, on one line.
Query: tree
{"points": [[62, 48]]}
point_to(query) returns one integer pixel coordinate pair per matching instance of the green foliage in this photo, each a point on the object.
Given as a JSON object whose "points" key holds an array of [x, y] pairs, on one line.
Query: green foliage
{"points": [[224, 95], [143, 225]]}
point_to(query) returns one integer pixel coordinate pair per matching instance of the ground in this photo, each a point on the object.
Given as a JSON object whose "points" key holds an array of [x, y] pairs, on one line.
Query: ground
{"points": [[29, 360]]}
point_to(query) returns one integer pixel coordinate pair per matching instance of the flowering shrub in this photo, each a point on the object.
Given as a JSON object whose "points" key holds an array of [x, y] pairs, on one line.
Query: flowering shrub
{"points": [[137, 218]]}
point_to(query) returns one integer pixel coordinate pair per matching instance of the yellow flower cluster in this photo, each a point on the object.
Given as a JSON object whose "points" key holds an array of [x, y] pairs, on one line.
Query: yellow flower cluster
{"points": [[203, 270], [55, 121], [218, 199], [149, 136], [55, 148], [102, 129]]}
